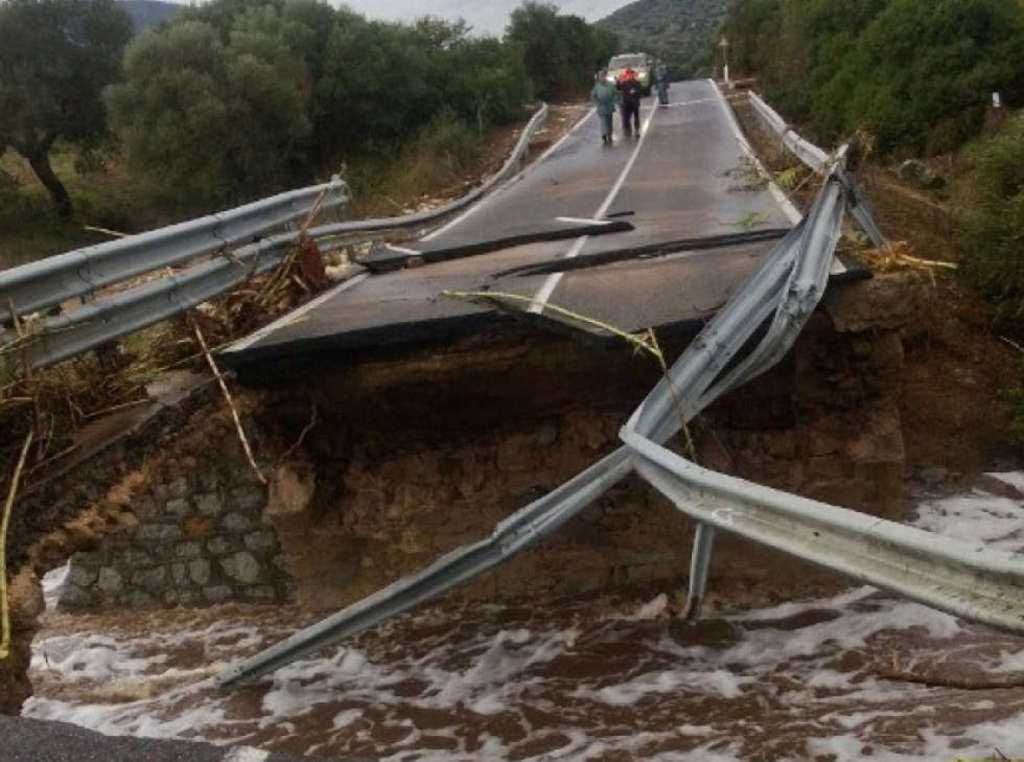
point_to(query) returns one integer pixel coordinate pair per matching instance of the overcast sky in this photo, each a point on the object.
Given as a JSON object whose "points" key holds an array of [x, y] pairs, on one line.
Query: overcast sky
{"points": [[485, 16]]}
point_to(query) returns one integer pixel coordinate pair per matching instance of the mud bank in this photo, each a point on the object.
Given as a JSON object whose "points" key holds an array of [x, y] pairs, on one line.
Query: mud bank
{"points": [[412, 457]]}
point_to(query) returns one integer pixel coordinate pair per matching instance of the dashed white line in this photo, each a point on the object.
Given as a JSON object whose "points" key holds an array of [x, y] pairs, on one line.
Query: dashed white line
{"points": [[583, 221], [540, 299]]}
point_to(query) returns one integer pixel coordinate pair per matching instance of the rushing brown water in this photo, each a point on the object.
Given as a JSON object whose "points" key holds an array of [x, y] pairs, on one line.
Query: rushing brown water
{"points": [[843, 678]]}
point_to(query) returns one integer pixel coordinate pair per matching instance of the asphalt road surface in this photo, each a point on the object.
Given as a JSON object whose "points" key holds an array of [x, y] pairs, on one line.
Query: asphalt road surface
{"points": [[684, 180]]}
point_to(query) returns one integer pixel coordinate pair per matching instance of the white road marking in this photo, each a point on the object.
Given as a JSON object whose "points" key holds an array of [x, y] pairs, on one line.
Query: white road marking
{"points": [[583, 221], [403, 250], [838, 268], [299, 314], [544, 293], [787, 206], [480, 204], [684, 104]]}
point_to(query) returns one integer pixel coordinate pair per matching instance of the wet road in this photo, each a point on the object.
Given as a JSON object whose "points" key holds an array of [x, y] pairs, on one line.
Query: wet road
{"points": [[685, 177]]}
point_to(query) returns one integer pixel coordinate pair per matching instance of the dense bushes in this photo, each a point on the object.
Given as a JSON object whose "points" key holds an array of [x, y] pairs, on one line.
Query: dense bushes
{"points": [[201, 114], [992, 231], [238, 97], [915, 73]]}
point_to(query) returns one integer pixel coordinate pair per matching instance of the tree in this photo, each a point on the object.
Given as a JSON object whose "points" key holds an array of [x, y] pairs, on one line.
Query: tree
{"points": [[562, 53], [221, 122], [56, 56]]}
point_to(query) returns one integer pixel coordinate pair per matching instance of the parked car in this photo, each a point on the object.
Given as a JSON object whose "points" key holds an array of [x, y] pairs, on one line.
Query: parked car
{"points": [[641, 63]]}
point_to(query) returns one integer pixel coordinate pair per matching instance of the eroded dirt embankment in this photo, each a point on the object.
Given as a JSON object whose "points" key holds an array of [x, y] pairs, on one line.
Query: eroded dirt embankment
{"points": [[406, 459]]}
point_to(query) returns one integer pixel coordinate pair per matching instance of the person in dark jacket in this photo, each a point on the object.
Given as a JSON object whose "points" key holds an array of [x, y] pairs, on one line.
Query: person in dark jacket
{"points": [[661, 79], [632, 91]]}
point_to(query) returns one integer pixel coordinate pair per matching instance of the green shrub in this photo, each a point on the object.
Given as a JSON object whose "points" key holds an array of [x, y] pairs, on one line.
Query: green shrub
{"points": [[992, 229], [562, 53], [213, 121], [918, 74]]}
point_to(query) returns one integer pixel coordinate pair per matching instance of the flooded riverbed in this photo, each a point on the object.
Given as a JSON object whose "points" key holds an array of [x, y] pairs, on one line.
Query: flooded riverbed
{"points": [[855, 675]]}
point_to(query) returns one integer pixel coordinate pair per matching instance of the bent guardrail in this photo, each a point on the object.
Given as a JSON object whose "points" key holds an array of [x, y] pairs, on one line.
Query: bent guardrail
{"points": [[83, 272], [971, 581]]}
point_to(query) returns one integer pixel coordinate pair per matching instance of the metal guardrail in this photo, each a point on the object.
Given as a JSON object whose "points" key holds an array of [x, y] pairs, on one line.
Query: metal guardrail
{"points": [[807, 152], [78, 273], [818, 160], [124, 313], [83, 272], [512, 165], [971, 581], [966, 579]]}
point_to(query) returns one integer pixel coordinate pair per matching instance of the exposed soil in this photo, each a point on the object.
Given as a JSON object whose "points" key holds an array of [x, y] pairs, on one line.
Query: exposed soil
{"points": [[956, 370]]}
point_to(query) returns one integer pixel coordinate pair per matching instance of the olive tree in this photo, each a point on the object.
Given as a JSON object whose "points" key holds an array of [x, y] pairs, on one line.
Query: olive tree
{"points": [[219, 121], [56, 56]]}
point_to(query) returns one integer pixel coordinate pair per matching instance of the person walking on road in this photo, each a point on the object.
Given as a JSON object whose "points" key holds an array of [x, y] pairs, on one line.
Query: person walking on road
{"points": [[606, 97], [661, 78], [632, 91]]}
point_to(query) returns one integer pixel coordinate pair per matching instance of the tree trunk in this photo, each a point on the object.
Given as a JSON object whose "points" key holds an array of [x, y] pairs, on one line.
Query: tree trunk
{"points": [[40, 164]]}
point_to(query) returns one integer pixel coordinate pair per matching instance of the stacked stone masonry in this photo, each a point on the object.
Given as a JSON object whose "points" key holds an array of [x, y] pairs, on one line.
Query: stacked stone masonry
{"points": [[202, 537]]}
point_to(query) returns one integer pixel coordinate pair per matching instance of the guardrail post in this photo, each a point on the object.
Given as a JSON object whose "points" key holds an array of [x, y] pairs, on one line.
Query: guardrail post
{"points": [[700, 566]]}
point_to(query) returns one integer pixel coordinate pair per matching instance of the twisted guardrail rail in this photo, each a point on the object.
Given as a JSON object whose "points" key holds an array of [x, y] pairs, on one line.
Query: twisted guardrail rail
{"points": [[966, 579]]}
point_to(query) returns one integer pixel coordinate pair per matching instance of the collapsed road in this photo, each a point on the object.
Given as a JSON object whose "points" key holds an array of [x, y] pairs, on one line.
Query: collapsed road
{"points": [[676, 218]]}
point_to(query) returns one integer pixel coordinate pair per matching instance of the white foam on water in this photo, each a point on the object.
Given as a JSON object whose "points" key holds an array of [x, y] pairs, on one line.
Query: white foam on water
{"points": [[977, 517], [346, 718], [487, 674], [975, 742], [1013, 478], [651, 610], [246, 754]]}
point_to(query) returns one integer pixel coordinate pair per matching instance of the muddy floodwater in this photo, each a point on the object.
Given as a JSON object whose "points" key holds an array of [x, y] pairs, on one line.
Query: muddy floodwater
{"points": [[854, 676]]}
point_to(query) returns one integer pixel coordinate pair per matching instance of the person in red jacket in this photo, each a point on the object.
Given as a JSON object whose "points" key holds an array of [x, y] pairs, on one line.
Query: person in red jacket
{"points": [[632, 92]]}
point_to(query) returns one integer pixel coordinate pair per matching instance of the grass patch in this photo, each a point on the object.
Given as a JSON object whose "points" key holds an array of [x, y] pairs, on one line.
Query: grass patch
{"points": [[104, 195], [436, 165]]}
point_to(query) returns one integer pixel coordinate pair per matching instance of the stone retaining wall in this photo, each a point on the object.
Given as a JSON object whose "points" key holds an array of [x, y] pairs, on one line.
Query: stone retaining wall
{"points": [[200, 537]]}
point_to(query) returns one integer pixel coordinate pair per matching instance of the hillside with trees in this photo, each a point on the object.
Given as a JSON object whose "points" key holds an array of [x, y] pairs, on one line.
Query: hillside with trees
{"points": [[680, 32], [917, 75]]}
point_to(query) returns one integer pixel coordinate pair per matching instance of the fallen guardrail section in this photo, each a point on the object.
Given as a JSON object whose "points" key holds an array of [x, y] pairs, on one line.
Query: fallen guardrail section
{"points": [[237, 239], [961, 578]]}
